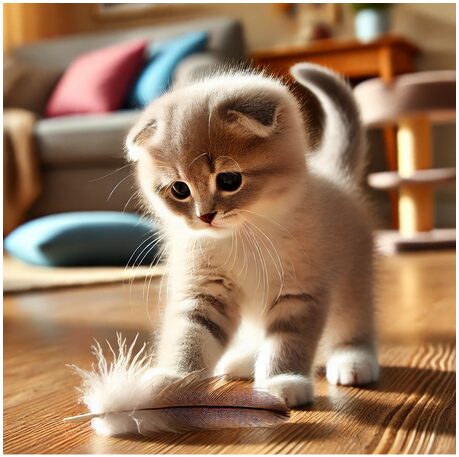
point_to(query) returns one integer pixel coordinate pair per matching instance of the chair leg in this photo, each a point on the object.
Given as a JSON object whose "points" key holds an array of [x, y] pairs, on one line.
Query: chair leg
{"points": [[415, 205]]}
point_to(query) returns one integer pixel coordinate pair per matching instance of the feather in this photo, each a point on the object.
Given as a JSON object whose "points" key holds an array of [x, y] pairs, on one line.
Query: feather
{"points": [[121, 398]]}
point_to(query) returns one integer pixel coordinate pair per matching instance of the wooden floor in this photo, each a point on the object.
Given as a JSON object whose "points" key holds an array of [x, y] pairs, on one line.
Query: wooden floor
{"points": [[410, 410]]}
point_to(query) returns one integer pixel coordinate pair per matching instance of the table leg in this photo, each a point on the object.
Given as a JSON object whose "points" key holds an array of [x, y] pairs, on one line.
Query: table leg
{"points": [[390, 140]]}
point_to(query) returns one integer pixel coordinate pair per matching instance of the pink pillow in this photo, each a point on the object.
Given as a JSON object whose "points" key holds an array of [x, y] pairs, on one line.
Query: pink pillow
{"points": [[97, 82]]}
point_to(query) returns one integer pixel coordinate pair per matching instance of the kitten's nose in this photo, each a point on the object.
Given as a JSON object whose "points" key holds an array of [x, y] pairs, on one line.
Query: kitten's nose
{"points": [[208, 218]]}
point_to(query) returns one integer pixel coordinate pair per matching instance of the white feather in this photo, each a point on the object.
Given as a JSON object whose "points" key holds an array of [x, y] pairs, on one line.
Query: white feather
{"points": [[128, 395], [119, 385]]}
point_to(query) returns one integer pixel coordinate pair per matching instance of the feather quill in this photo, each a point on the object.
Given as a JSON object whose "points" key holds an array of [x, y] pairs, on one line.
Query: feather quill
{"points": [[120, 398]]}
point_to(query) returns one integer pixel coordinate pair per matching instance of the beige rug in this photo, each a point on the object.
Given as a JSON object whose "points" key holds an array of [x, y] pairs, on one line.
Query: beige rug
{"points": [[21, 277]]}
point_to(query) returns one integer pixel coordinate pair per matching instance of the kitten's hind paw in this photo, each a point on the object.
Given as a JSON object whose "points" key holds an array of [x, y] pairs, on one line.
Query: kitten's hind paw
{"points": [[352, 366], [295, 390]]}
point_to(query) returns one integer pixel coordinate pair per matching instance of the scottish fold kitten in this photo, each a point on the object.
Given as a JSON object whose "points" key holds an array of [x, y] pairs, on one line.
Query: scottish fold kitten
{"points": [[268, 237]]}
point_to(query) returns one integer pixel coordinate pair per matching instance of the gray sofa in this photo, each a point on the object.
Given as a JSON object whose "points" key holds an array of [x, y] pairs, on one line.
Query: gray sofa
{"points": [[80, 155]]}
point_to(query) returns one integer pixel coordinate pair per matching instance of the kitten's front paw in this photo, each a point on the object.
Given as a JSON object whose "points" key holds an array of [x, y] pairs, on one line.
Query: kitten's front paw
{"points": [[352, 367], [295, 390], [237, 365], [159, 378]]}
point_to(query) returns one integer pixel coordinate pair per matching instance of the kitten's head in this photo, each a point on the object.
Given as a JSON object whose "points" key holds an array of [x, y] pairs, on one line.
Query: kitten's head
{"points": [[220, 151]]}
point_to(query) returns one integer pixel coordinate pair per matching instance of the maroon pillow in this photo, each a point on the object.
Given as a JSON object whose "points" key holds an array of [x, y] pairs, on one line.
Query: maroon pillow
{"points": [[97, 82]]}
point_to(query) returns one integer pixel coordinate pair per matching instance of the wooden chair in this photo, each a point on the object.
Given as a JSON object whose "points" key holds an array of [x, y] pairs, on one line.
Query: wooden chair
{"points": [[412, 103]]}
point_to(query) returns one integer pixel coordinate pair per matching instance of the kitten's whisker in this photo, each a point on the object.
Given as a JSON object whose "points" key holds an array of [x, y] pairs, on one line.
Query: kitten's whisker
{"points": [[126, 270], [165, 274], [288, 232], [228, 157], [149, 248], [156, 260], [143, 294], [193, 257], [138, 247], [263, 271], [245, 253], [148, 277], [231, 250], [281, 275], [130, 198], [243, 250], [235, 251], [196, 158], [116, 187], [246, 258], [274, 222], [209, 120], [260, 246], [253, 251], [131, 280], [111, 173], [250, 245]]}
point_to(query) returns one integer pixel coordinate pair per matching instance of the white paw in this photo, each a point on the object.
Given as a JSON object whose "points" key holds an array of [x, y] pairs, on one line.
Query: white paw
{"points": [[236, 365], [295, 390], [352, 367], [159, 378]]}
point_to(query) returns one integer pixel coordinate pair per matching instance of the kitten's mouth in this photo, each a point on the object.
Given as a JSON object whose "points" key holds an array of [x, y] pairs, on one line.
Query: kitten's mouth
{"points": [[220, 226], [211, 226], [217, 225], [214, 227]]}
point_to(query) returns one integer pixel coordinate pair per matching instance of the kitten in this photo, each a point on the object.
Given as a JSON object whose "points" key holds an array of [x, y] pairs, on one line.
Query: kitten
{"points": [[269, 239]]}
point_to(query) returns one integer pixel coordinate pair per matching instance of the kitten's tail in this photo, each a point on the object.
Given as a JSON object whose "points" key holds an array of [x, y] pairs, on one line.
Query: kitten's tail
{"points": [[341, 150]]}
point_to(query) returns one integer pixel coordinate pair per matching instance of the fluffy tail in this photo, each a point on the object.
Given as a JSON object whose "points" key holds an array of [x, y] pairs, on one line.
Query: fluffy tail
{"points": [[341, 150]]}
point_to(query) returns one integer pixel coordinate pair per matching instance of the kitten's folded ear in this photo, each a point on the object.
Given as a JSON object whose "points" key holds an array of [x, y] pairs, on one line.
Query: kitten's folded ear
{"points": [[138, 137], [254, 115]]}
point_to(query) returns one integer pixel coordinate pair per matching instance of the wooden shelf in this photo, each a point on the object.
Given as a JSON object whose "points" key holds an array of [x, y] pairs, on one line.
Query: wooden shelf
{"points": [[388, 180]]}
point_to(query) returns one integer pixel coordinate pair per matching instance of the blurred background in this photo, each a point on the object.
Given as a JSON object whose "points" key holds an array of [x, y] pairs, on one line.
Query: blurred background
{"points": [[76, 77]]}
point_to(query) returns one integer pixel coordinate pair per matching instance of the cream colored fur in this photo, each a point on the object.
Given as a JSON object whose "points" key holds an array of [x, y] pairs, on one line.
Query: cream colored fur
{"points": [[288, 260]]}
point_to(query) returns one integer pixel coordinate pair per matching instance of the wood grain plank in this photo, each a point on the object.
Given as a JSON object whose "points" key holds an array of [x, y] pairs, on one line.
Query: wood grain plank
{"points": [[410, 410]]}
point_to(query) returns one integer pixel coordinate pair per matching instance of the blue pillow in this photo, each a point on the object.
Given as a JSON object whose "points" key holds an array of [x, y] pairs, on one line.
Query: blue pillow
{"points": [[84, 239], [164, 58]]}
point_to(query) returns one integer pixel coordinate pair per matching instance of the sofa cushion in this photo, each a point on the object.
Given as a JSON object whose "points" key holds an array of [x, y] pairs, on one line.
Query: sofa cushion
{"points": [[84, 239], [86, 140], [98, 81], [163, 60]]}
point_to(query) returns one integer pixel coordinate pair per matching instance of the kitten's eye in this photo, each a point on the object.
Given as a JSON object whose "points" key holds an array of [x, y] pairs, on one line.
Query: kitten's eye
{"points": [[180, 190], [229, 182]]}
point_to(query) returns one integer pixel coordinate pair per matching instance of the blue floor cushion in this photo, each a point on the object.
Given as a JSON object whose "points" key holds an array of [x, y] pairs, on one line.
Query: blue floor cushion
{"points": [[96, 238]]}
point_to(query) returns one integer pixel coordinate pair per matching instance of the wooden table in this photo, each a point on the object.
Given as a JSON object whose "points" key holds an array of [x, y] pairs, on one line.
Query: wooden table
{"points": [[385, 58], [410, 410]]}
